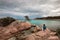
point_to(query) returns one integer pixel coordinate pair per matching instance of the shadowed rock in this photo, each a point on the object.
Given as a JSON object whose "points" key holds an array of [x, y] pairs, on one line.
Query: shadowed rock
{"points": [[27, 18]]}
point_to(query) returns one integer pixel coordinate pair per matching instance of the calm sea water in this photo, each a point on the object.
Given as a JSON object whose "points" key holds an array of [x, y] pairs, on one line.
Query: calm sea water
{"points": [[53, 24]]}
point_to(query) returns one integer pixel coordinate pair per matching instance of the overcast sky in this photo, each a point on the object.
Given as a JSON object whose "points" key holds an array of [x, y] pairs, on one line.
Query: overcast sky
{"points": [[32, 8]]}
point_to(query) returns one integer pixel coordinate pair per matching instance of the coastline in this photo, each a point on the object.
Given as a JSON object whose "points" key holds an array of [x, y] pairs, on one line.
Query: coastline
{"points": [[48, 19], [24, 28]]}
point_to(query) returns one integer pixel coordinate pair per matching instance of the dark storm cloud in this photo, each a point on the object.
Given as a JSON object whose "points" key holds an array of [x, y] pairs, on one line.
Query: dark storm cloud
{"points": [[7, 4]]}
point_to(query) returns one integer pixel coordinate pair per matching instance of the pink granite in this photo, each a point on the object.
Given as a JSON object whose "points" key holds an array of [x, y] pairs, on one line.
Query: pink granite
{"points": [[13, 28]]}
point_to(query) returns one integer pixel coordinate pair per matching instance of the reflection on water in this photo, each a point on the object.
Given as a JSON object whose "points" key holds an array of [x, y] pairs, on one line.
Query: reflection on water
{"points": [[49, 23]]}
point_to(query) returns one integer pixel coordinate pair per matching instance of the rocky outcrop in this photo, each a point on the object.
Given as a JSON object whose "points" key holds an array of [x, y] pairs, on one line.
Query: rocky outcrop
{"points": [[42, 35], [22, 31], [12, 29]]}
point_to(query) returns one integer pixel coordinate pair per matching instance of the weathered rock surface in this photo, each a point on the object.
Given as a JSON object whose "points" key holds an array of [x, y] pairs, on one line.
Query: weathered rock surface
{"points": [[53, 38], [13, 28], [18, 27], [42, 35]]}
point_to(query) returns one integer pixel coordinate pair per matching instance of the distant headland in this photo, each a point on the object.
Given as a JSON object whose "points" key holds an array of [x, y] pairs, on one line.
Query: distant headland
{"points": [[48, 18]]}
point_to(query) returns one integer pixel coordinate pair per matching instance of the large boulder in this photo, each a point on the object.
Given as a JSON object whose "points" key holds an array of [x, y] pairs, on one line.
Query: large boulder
{"points": [[24, 25], [13, 28], [20, 25]]}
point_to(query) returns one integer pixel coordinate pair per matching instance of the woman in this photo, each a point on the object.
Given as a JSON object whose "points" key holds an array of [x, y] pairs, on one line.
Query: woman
{"points": [[44, 27]]}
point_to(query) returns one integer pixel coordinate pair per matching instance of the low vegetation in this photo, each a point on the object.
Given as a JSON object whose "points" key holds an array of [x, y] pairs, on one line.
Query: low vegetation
{"points": [[58, 32], [6, 21]]}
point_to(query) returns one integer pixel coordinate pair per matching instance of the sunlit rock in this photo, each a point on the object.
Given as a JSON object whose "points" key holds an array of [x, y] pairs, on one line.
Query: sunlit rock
{"points": [[53, 38], [31, 37], [13, 28]]}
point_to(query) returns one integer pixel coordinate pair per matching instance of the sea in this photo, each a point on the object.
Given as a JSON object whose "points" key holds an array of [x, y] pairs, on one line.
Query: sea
{"points": [[52, 24]]}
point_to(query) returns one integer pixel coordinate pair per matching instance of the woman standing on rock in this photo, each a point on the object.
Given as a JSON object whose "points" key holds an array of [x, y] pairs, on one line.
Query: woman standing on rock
{"points": [[44, 27]]}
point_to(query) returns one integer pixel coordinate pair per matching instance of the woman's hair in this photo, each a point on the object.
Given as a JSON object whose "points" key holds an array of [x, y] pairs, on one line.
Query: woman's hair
{"points": [[43, 24]]}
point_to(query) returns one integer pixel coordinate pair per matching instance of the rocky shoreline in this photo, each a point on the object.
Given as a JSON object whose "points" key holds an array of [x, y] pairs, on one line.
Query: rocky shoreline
{"points": [[26, 31]]}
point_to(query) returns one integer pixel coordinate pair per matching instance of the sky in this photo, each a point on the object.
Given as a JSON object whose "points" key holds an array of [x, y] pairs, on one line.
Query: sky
{"points": [[31, 8]]}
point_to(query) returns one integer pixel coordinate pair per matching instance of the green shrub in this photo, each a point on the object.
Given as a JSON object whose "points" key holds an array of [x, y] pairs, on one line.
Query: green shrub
{"points": [[58, 32], [6, 21]]}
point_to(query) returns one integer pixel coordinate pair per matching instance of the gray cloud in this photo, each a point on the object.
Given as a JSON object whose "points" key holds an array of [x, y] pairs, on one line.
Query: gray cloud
{"points": [[38, 8]]}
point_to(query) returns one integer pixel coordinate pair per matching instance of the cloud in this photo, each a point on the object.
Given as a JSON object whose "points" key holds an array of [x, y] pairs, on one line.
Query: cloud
{"points": [[32, 8]]}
